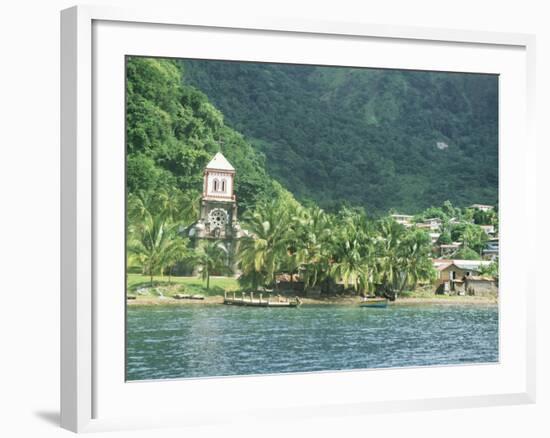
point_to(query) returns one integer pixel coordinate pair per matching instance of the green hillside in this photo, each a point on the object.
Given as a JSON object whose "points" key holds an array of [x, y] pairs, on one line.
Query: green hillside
{"points": [[172, 133], [378, 139]]}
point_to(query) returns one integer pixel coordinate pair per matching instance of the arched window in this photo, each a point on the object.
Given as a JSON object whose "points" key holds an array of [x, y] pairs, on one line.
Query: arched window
{"points": [[215, 185], [223, 185]]}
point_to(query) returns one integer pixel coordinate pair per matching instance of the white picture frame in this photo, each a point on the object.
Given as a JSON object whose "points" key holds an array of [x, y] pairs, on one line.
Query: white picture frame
{"points": [[92, 392]]}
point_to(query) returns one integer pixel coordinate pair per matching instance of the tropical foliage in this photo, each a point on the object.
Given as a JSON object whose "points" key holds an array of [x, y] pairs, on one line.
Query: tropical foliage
{"points": [[490, 270], [212, 257], [154, 240], [261, 253], [368, 256]]}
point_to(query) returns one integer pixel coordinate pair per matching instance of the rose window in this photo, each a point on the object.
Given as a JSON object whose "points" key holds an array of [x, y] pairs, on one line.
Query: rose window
{"points": [[217, 218]]}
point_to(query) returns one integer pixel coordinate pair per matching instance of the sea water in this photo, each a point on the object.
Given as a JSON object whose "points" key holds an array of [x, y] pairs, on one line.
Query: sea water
{"points": [[215, 340]]}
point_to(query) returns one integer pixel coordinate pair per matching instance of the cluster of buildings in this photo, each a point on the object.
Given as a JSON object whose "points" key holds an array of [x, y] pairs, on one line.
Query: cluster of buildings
{"points": [[433, 227], [456, 276]]}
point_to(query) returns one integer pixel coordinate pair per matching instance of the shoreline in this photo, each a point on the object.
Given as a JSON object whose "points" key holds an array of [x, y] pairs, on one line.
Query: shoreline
{"points": [[335, 301]]}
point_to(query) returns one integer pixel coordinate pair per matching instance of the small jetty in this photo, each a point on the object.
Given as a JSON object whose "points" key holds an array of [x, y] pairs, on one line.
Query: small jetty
{"points": [[379, 303], [250, 301]]}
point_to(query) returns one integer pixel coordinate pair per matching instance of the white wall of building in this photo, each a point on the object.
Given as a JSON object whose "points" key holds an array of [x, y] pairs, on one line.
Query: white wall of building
{"points": [[220, 178]]}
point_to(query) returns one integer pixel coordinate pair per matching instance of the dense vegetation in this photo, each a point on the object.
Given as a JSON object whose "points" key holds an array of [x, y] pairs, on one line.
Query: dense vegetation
{"points": [[368, 256], [376, 139]]}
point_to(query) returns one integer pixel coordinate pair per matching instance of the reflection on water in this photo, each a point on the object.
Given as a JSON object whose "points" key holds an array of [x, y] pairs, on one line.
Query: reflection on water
{"points": [[199, 341]]}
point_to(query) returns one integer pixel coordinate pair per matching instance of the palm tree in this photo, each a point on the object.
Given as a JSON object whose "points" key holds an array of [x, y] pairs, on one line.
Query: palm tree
{"points": [[310, 249], [212, 257], [403, 256], [390, 234], [416, 264], [153, 230], [263, 252], [177, 250], [190, 206], [490, 270], [353, 253], [475, 238]]}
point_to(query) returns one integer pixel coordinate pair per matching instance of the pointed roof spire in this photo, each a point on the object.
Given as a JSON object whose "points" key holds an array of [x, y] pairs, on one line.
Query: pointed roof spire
{"points": [[219, 162]]}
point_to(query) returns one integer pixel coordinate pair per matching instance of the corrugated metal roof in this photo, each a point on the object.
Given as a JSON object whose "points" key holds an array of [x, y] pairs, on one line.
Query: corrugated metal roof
{"points": [[466, 265], [470, 264]]}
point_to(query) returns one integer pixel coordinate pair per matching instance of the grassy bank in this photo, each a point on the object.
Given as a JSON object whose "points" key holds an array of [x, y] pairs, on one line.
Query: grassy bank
{"points": [[140, 285]]}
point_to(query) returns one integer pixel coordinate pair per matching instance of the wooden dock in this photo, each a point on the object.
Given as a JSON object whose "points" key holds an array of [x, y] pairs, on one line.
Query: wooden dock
{"points": [[249, 301]]}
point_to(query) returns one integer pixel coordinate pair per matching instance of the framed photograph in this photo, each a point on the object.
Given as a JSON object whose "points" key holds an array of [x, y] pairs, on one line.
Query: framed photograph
{"points": [[260, 208]]}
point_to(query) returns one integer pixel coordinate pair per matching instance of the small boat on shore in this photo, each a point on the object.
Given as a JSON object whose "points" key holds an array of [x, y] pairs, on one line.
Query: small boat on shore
{"points": [[188, 297], [379, 303], [250, 301], [258, 303]]}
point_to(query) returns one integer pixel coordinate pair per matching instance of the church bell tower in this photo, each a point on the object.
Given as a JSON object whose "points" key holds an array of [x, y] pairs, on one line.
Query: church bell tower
{"points": [[218, 205], [218, 213]]}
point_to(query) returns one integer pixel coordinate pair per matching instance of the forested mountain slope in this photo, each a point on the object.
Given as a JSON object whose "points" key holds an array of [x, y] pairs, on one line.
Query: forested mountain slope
{"points": [[379, 139]]}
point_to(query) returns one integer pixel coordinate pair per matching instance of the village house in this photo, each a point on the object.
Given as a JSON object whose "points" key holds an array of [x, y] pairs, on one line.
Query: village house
{"points": [[453, 276], [480, 285], [431, 228], [482, 207], [403, 219], [423, 226], [434, 224], [490, 252], [437, 263], [489, 229], [447, 250]]}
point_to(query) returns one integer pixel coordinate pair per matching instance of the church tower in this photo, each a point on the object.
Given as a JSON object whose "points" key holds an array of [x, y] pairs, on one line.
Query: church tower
{"points": [[218, 213], [218, 204]]}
